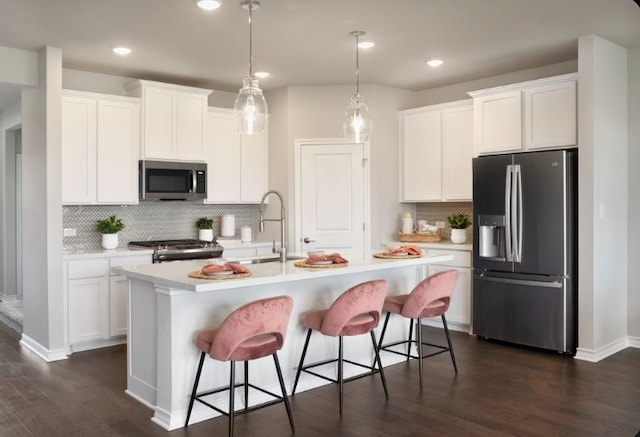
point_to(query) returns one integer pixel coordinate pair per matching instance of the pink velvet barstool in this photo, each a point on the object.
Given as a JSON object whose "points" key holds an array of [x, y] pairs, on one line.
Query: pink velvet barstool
{"points": [[354, 312], [253, 331], [430, 298]]}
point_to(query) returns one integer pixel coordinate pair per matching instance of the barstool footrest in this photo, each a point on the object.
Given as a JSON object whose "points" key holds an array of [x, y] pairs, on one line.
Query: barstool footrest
{"points": [[372, 370], [277, 399], [387, 347]]}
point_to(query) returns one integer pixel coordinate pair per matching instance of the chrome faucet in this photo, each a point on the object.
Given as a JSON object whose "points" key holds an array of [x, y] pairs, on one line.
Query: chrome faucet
{"points": [[283, 247]]}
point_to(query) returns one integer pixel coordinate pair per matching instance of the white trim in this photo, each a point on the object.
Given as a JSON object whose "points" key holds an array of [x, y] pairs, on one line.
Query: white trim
{"points": [[522, 85], [634, 342], [297, 157], [601, 353], [44, 353]]}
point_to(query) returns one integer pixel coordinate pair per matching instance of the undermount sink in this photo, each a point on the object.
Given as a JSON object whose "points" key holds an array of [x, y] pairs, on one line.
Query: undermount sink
{"points": [[266, 259]]}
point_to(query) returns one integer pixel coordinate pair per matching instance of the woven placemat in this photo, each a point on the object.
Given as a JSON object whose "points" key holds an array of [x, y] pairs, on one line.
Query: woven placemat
{"points": [[388, 256], [305, 264], [197, 274]]}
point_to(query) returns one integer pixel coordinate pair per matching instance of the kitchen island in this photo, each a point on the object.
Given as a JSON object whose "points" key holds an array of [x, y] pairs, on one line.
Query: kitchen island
{"points": [[167, 309]]}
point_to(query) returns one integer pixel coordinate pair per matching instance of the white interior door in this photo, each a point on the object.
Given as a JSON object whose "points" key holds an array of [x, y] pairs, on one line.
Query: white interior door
{"points": [[332, 197]]}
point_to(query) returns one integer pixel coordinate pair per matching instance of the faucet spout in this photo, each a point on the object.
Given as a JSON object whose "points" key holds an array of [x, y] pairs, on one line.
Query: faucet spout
{"points": [[282, 220]]}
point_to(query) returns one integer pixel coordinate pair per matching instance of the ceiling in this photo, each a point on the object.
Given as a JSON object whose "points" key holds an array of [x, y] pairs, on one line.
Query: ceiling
{"points": [[304, 42]]}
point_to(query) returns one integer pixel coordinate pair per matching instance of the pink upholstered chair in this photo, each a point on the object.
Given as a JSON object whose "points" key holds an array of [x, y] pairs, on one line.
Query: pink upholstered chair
{"points": [[430, 298], [355, 312], [253, 331]]}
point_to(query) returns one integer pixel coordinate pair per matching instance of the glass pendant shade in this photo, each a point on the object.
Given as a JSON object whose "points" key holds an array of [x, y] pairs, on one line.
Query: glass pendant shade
{"points": [[250, 108], [357, 122]]}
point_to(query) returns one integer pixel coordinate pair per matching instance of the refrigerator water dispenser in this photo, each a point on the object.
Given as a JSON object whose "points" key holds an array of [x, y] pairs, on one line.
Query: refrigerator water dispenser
{"points": [[491, 236]]}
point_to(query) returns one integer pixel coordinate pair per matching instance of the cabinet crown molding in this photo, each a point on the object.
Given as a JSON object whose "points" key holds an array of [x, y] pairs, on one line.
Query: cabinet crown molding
{"points": [[134, 86], [524, 85]]}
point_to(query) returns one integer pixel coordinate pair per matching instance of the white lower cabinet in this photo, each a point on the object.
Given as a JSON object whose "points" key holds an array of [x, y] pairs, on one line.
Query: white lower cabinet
{"points": [[459, 313], [97, 302]]}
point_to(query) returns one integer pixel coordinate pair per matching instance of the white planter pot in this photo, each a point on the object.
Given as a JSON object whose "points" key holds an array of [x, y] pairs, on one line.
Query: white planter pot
{"points": [[109, 241], [205, 235], [458, 236]]}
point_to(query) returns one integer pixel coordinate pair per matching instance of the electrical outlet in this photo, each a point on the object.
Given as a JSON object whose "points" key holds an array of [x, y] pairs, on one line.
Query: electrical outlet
{"points": [[440, 224], [69, 232]]}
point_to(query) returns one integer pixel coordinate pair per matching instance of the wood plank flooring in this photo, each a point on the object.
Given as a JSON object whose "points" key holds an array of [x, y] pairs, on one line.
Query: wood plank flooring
{"points": [[500, 390]]}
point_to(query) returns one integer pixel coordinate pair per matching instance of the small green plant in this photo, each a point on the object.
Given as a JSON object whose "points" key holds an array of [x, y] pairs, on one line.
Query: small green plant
{"points": [[110, 225], [459, 221], [204, 223]]}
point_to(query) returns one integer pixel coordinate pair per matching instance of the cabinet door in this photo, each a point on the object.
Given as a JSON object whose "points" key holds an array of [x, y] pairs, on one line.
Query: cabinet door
{"points": [[78, 150], [254, 156], [159, 121], [119, 305], [459, 311], [118, 151], [550, 116], [498, 122], [222, 156], [190, 114], [457, 153], [421, 163], [88, 309]]}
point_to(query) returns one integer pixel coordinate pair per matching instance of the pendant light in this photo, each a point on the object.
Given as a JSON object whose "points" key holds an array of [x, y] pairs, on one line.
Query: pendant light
{"points": [[357, 122], [250, 108]]}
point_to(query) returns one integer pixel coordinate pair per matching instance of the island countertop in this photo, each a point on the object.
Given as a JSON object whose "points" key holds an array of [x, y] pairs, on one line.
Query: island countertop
{"points": [[175, 274]]}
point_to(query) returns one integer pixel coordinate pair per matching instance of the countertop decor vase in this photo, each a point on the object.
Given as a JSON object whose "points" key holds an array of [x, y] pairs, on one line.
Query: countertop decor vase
{"points": [[459, 223], [205, 231], [109, 229], [458, 236]]}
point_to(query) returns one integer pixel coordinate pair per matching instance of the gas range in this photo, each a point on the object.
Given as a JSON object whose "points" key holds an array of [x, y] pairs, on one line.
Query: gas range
{"points": [[175, 250]]}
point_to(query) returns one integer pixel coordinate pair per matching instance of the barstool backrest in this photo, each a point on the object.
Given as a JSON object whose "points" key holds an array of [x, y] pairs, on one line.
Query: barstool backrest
{"points": [[365, 299], [263, 317], [437, 287]]}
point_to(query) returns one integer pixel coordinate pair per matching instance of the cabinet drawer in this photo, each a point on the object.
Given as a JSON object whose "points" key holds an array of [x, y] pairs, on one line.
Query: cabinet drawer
{"points": [[129, 260], [92, 268], [460, 258]]}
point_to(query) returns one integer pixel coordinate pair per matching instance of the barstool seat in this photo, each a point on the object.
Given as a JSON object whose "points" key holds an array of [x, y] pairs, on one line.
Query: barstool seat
{"points": [[354, 312], [255, 330]]}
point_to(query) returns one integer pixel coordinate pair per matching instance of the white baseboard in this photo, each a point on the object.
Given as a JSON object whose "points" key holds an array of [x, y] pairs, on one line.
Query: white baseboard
{"points": [[603, 352], [41, 351], [634, 342]]}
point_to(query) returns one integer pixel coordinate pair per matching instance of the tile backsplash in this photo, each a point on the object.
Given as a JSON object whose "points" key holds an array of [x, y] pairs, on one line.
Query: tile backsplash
{"points": [[161, 220], [433, 212]]}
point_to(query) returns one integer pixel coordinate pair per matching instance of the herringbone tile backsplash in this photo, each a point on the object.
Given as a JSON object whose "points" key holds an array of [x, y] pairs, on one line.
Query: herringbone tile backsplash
{"points": [[160, 220], [433, 212]]}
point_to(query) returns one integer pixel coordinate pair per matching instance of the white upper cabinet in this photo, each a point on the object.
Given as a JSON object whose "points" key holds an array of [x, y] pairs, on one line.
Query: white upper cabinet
{"points": [[100, 148], [532, 115], [237, 164], [436, 149], [173, 120]]}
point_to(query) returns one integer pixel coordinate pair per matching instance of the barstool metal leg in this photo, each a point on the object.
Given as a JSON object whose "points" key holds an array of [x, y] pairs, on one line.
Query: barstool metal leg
{"points": [[340, 376], [410, 339], [419, 335], [384, 330], [195, 388], [304, 353], [446, 331], [246, 385], [284, 392], [377, 358], [232, 381]]}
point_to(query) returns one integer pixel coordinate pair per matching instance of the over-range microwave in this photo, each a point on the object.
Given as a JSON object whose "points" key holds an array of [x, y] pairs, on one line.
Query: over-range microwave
{"points": [[172, 180]]}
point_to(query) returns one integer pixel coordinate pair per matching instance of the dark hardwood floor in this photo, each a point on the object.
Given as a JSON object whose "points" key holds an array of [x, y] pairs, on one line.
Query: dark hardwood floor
{"points": [[500, 390]]}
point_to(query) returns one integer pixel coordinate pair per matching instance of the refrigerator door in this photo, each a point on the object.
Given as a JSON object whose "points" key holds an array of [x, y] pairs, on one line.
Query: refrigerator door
{"points": [[491, 229], [527, 312], [541, 213]]}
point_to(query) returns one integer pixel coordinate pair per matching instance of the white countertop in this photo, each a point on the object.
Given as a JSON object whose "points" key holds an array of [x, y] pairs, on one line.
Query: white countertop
{"points": [[438, 245], [175, 274], [102, 253]]}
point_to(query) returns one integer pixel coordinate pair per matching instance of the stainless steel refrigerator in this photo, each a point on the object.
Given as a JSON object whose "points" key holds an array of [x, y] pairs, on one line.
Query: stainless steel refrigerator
{"points": [[525, 249]]}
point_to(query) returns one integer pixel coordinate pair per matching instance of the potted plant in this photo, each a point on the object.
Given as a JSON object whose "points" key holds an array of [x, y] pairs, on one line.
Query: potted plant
{"points": [[205, 232], [109, 229], [458, 224]]}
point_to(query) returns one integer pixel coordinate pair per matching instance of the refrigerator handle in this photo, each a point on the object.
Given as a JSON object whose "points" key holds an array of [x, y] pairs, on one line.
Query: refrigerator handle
{"points": [[519, 203], [507, 210]]}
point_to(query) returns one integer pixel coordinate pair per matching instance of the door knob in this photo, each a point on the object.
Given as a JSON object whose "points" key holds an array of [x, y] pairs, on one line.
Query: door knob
{"points": [[308, 240]]}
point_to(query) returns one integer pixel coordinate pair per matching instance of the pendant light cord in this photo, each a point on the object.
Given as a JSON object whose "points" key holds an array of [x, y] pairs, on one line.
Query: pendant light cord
{"points": [[357, 66], [250, 40]]}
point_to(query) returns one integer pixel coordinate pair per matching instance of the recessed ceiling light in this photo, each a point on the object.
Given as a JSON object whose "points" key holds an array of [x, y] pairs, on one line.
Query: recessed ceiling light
{"points": [[261, 74], [366, 44], [122, 50], [435, 62], [208, 5]]}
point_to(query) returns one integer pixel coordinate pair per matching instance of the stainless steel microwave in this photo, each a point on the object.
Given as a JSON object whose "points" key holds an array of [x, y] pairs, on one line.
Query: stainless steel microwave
{"points": [[172, 180]]}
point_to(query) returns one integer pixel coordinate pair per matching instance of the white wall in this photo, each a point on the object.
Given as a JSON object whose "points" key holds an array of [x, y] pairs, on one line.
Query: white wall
{"points": [[603, 215], [43, 328], [10, 118], [634, 196], [19, 67]]}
